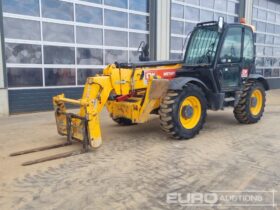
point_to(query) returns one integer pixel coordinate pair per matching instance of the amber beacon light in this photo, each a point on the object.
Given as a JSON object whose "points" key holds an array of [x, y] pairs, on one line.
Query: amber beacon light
{"points": [[242, 20]]}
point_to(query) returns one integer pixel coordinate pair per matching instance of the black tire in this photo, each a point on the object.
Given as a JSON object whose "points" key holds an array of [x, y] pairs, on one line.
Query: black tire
{"points": [[123, 121], [242, 111], [170, 112]]}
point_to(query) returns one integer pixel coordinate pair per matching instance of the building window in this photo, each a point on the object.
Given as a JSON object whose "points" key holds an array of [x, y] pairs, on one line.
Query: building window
{"points": [[115, 55], [66, 41], [115, 18], [137, 5], [54, 32], [94, 1], [24, 77], [57, 10], [116, 38], [186, 14], [23, 53], [59, 77], [266, 18], [83, 74], [86, 56], [136, 38], [59, 55], [138, 22], [114, 3], [86, 14], [21, 29], [90, 36], [26, 7]]}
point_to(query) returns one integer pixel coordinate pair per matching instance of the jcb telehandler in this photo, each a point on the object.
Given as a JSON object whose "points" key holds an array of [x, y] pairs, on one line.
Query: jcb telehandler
{"points": [[218, 70]]}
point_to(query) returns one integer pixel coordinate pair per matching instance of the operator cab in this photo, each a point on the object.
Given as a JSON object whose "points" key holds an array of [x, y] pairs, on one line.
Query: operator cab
{"points": [[220, 54]]}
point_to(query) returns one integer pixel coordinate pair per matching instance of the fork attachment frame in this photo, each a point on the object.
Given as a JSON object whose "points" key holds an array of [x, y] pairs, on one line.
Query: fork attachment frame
{"points": [[70, 139]]}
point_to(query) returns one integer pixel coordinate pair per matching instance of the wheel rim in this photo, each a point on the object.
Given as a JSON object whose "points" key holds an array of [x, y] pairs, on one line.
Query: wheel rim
{"points": [[256, 102], [190, 112]]}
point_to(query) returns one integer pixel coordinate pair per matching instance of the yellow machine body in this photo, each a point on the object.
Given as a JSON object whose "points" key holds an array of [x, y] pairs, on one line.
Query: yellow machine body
{"points": [[127, 93], [180, 92]]}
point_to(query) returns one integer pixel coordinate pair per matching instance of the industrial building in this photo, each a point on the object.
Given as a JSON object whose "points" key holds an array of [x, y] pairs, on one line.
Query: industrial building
{"points": [[52, 46]]}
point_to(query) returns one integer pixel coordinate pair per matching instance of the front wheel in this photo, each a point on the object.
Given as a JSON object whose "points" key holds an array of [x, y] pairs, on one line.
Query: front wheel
{"points": [[251, 105], [182, 113]]}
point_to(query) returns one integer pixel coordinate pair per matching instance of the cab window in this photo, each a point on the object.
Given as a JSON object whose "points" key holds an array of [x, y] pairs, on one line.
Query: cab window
{"points": [[231, 48], [248, 52]]}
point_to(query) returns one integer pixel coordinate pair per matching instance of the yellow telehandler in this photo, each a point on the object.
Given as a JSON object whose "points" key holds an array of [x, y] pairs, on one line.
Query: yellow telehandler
{"points": [[218, 70]]}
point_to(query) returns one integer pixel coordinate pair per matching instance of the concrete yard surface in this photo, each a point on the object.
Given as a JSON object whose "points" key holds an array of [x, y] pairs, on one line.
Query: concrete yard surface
{"points": [[138, 167]]}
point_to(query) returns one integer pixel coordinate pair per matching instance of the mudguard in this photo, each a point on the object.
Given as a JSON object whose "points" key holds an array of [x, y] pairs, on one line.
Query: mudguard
{"points": [[261, 79], [179, 82]]}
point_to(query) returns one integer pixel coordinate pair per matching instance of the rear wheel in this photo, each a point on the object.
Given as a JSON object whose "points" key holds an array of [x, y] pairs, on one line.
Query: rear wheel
{"points": [[251, 105], [183, 113]]}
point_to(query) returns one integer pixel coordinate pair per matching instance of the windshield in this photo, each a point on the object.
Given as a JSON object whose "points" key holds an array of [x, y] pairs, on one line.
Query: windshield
{"points": [[203, 45]]}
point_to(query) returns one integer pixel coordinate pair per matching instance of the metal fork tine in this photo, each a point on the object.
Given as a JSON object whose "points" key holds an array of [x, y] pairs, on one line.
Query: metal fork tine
{"points": [[38, 149], [53, 157]]}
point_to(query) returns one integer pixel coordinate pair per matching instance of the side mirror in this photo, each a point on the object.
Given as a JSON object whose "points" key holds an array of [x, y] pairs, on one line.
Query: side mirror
{"points": [[220, 24], [143, 49]]}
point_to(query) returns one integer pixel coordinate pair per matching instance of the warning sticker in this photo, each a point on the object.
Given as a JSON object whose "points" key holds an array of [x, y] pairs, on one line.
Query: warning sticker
{"points": [[161, 73], [244, 73]]}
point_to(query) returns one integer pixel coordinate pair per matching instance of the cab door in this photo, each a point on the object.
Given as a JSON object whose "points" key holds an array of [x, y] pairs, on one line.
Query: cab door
{"points": [[229, 65]]}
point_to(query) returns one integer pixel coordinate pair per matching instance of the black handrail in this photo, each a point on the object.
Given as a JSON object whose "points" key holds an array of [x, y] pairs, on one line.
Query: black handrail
{"points": [[207, 23]]}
